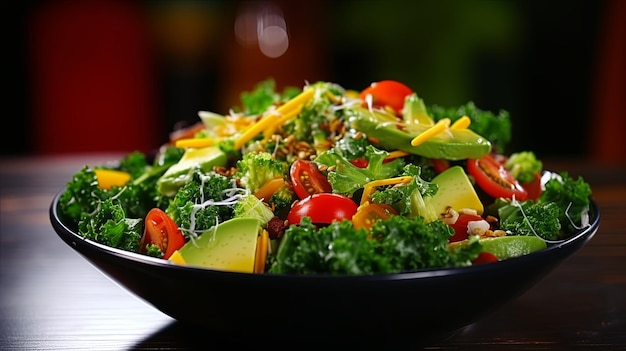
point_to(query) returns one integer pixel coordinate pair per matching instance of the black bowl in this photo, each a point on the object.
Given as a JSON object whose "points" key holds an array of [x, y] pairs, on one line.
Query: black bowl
{"points": [[416, 308]]}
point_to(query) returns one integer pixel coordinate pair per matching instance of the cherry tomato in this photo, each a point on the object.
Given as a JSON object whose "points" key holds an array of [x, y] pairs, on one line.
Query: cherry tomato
{"points": [[370, 213], [533, 188], [387, 93], [162, 231], [485, 257], [306, 179], [494, 179], [440, 165], [460, 226], [360, 162], [323, 208]]}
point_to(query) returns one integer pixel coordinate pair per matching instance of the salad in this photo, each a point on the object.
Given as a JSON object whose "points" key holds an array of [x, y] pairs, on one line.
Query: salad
{"points": [[327, 180]]}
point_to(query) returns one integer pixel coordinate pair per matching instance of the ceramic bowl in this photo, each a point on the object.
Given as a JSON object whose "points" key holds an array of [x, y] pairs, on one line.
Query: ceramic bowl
{"points": [[416, 308]]}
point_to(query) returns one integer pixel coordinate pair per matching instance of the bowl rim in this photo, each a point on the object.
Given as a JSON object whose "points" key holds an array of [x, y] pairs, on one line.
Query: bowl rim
{"points": [[75, 241]]}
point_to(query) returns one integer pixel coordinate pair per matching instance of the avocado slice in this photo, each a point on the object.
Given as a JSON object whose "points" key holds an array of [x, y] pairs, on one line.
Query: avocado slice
{"points": [[504, 247], [230, 246], [179, 174], [456, 191], [393, 134]]}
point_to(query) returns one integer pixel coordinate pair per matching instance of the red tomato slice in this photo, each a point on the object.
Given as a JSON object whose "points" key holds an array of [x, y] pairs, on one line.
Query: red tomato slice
{"points": [[440, 165], [533, 188], [460, 226], [485, 257], [494, 179], [323, 208], [368, 214], [162, 231], [387, 93], [306, 179]]}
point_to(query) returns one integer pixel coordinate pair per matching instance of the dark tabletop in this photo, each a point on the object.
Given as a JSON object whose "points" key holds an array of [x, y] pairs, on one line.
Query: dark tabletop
{"points": [[53, 299]]}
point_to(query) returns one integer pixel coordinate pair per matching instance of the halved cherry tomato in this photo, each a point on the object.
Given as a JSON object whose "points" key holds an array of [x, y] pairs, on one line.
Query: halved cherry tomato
{"points": [[162, 231], [533, 188], [360, 162], [306, 179], [460, 226], [494, 179], [323, 208], [387, 93], [370, 213], [440, 165], [485, 257]]}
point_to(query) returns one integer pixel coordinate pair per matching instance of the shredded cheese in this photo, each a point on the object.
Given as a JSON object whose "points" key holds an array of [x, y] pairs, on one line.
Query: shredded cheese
{"points": [[195, 143], [461, 123], [369, 188], [439, 127], [396, 154], [272, 119]]}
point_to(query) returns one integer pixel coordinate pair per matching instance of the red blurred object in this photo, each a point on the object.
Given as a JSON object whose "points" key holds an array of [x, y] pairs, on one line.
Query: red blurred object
{"points": [[607, 121], [93, 80]]}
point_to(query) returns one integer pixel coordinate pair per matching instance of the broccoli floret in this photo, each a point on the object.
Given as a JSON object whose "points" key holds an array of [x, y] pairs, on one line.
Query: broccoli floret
{"points": [[207, 200], [110, 226], [396, 245], [314, 121], [283, 198], [345, 178], [523, 166], [249, 206], [256, 168], [530, 218]]}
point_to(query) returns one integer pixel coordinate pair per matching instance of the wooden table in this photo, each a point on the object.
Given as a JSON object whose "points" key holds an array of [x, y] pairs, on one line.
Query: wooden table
{"points": [[52, 299]]}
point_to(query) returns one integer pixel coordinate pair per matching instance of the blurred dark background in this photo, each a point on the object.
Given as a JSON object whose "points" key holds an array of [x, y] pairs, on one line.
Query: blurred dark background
{"points": [[90, 75]]}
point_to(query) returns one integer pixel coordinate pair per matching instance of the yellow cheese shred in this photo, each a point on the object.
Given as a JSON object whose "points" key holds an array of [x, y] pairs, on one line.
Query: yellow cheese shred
{"points": [[396, 154], [439, 127], [273, 118], [461, 123], [195, 143], [369, 188]]}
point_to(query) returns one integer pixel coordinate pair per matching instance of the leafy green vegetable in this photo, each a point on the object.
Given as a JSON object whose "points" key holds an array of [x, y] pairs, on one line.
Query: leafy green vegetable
{"points": [[572, 197], [82, 195], [495, 127], [345, 178], [523, 166], [408, 198], [560, 211], [530, 218], [398, 245], [110, 226]]}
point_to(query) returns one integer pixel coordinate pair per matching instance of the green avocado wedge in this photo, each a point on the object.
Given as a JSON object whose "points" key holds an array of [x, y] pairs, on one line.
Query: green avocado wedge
{"points": [[393, 134], [504, 247], [230, 246], [180, 173]]}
